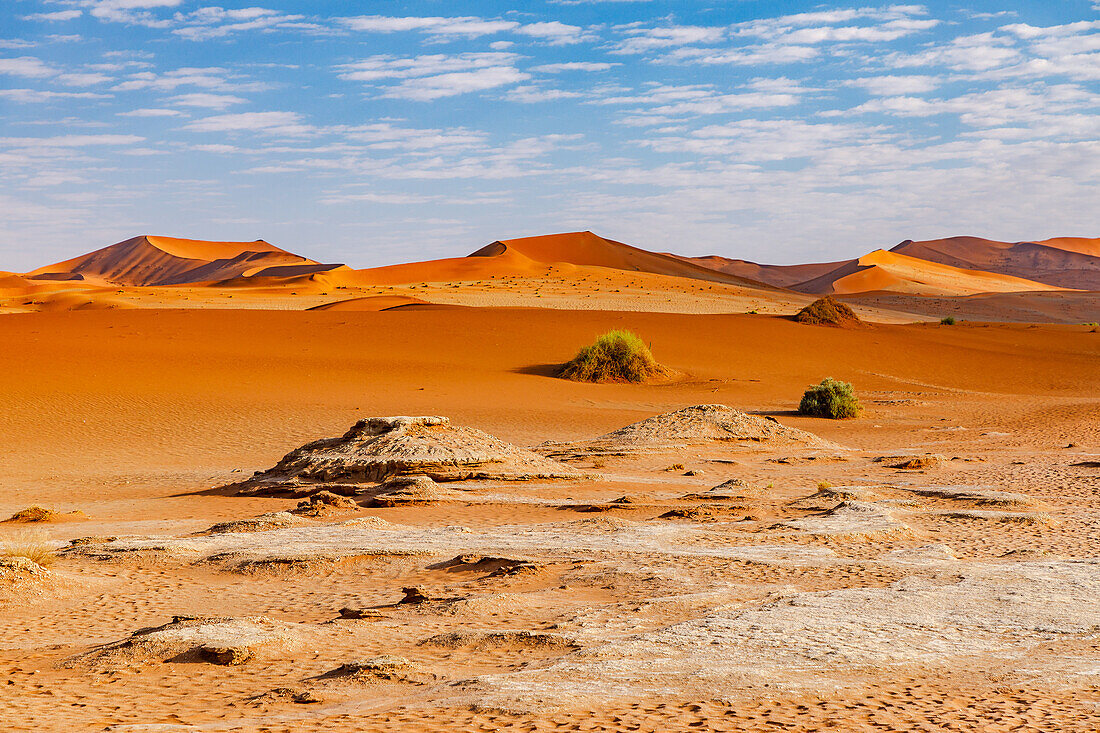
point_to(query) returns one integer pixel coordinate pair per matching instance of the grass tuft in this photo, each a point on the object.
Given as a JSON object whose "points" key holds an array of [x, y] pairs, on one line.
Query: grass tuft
{"points": [[948, 321], [33, 544], [616, 356], [832, 398]]}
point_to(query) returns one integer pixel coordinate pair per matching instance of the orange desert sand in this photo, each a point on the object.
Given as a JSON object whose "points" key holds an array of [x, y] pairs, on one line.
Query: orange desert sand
{"points": [[286, 495]]}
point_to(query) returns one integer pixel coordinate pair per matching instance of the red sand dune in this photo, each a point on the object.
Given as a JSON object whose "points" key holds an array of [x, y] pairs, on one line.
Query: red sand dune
{"points": [[12, 283], [889, 271], [588, 249], [148, 260], [1068, 262], [452, 269], [783, 276]]}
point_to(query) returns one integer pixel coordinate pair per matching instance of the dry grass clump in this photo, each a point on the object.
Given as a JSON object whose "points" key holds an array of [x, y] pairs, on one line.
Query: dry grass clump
{"points": [[616, 356], [832, 398], [32, 514], [31, 544], [828, 311]]}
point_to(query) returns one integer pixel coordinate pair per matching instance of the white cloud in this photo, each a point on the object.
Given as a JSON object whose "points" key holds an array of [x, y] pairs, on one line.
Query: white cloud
{"points": [[26, 66], [643, 40], [427, 88], [215, 22], [533, 94], [966, 53], [746, 55], [214, 78], [151, 112], [555, 33], [386, 136], [467, 26], [83, 79], [272, 123], [574, 66], [203, 99], [59, 15], [36, 95], [661, 104], [70, 141], [130, 12], [887, 85], [424, 78]]}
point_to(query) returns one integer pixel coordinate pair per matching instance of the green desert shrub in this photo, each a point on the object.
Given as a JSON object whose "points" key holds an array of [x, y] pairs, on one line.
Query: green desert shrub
{"points": [[832, 398], [949, 321], [617, 356]]}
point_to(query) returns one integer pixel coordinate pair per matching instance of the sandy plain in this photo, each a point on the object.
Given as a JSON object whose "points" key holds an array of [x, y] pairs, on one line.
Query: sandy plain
{"points": [[958, 596]]}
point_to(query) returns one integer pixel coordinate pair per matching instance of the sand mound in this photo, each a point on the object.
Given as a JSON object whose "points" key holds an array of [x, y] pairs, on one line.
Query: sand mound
{"points": [[76, 301], [377, 670], [414, 491], [851, 520], [380, 448], [262, 523], [149, 260], [486, 640], [371, 303], [704, 424], [226, 641], [911, 462], [986, 515], [974, 494], [828, 311]]}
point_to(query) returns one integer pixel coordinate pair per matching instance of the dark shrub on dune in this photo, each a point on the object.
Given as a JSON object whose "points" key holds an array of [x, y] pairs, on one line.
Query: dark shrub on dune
{"points": [[832, 398]]}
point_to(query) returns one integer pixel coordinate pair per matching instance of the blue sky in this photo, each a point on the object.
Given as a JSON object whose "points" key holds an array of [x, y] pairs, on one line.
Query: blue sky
{"points": [[380, 132]]}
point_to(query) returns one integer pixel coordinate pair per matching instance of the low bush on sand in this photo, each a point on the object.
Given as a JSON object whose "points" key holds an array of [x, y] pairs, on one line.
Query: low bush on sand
{"points": [[32, 514], [617, 356], [31, 544], [828, 311], [832, 398], [948, 321]]}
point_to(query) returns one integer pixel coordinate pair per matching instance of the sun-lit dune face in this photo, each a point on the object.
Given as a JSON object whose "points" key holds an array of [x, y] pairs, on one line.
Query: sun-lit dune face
{"points": [[1080, 245], [781, 276], [1068, 262], [890, 271], [150, 261], [586, 249]]}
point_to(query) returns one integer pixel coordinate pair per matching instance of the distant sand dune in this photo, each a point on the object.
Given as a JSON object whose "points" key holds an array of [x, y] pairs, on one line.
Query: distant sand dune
{"points": [[148, 260], [883, 270]]}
